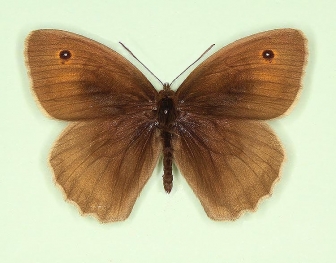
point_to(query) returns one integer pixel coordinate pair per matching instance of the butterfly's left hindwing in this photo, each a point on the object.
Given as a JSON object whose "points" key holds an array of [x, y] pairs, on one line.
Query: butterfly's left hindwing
{"points": [[103, 165]]}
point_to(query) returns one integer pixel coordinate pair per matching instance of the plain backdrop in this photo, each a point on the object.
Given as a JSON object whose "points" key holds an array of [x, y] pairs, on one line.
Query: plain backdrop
{"points": [[297, 224]]}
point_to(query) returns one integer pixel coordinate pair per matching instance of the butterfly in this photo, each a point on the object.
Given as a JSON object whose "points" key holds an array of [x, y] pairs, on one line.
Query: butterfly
{"points": [[212, 127]]}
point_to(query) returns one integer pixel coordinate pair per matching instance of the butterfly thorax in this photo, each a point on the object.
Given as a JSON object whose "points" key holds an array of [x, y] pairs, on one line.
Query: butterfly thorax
{"points": [[166, 117], [166, 109]]}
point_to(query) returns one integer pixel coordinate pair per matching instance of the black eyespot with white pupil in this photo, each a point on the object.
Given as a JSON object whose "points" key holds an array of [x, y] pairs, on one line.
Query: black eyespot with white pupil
{"points": [[65, 54], [268, 54]]}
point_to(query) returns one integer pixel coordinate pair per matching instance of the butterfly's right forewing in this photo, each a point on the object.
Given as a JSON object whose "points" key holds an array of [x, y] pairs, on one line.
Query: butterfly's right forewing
{"points": [[257, 77]]}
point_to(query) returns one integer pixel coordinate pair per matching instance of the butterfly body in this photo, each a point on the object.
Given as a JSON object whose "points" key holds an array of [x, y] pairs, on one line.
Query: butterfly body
{"points": [[166, 122], [212, 126]]}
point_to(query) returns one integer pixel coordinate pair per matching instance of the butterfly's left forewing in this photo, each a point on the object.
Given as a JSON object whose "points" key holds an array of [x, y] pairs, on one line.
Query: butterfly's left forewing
{"points": [[76, 78]]}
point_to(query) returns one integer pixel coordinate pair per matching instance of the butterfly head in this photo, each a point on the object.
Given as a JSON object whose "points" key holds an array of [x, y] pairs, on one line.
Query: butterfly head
{"points": [[166, 86]]}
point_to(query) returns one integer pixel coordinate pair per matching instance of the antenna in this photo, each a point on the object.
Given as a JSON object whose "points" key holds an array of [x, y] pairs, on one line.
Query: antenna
{"points": [[140, 62], [193, 63]]}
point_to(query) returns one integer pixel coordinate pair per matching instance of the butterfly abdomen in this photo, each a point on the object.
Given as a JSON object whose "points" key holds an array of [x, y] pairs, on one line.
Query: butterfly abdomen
{"points": [[166, 116], [167, 161]]}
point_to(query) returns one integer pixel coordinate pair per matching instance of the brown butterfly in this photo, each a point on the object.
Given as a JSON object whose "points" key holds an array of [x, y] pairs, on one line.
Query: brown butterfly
{"points": [[212, 127]]}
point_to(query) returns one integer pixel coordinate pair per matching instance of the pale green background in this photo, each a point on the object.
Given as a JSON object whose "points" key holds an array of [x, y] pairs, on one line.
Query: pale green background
{"points": [[297, 224]]}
